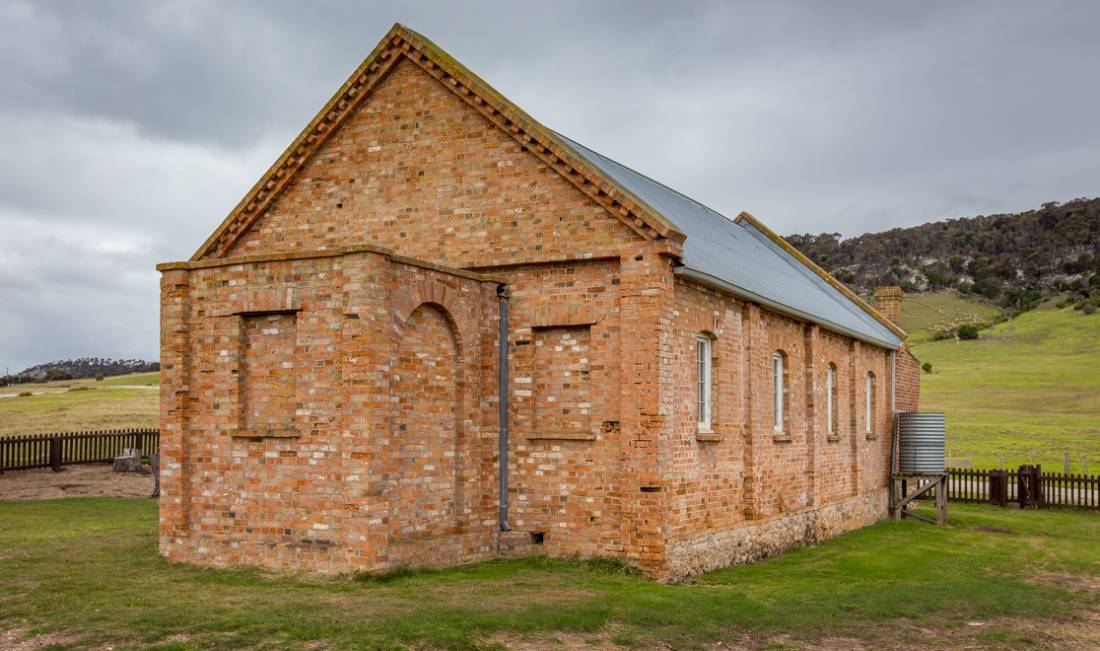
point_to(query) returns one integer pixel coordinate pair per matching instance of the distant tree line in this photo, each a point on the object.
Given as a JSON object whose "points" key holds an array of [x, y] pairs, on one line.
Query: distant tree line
{"points": [[76, 369], [1015, 260]]}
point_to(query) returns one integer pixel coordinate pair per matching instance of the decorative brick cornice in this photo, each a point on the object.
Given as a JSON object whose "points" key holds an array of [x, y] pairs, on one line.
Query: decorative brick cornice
{"points": [[400, 43]]}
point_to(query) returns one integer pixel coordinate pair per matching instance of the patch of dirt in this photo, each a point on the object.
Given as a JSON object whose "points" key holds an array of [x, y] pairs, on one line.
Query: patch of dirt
{"points": [[93, 480], [988, 529], [17, 639], [1069, 633], [1071, 582], [559, 641]]}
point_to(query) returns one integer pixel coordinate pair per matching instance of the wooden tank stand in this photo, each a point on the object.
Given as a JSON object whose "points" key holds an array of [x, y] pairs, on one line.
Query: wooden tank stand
{"points": [[901, 495]]}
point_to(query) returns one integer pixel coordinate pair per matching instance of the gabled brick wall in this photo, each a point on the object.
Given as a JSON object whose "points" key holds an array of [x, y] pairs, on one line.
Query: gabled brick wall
{"points": [[419, 171]]}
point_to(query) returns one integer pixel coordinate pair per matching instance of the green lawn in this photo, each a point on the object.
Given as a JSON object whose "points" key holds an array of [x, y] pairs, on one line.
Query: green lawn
{"points": [[80, 405], [1028, 388], [86, 571]]}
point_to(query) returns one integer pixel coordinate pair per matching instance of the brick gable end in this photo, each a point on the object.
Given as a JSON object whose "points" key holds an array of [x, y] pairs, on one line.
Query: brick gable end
{"points": [[417, 170]]}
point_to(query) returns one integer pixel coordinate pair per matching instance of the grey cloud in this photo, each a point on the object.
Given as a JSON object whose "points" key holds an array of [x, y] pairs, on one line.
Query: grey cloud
{"points": [[131, 129]]}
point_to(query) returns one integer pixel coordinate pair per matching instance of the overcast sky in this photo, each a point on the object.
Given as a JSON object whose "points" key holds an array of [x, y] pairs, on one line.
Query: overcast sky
{"points": [[129, 130]]}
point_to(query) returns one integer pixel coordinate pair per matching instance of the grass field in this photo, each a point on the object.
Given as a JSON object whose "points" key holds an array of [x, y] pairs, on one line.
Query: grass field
{"points": [[77, 405], [85, 573], [923, 315], [1028, 388]]}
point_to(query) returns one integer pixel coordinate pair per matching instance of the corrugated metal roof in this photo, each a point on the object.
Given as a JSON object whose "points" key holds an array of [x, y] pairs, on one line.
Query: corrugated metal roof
{"points": [[739, 257]]}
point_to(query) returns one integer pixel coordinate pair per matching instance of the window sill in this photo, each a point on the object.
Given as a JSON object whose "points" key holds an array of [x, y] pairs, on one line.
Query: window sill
{"points": [[707, 436], [870, 436], [781, 437], [562, 436], [832, 438]]}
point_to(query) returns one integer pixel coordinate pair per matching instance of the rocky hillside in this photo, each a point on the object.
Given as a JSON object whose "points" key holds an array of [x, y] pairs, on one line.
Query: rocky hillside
{"points": [[1015, 260], [75, 369]]}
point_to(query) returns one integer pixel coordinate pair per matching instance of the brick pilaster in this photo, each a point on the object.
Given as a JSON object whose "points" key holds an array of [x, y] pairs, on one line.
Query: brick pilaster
{"points": [[754, 341], [175, 391], [645, 294], [813, 370], [855, 403]]}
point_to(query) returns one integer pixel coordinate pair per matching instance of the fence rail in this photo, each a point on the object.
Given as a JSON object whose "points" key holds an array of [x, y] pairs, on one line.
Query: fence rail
{"points": [[1027, 486], [67, 448]]}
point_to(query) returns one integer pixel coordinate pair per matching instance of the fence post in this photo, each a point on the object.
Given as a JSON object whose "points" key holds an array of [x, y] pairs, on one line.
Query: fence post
{"points": [[55, 453], [1023, 486], [998, 487], [1037, 486]]}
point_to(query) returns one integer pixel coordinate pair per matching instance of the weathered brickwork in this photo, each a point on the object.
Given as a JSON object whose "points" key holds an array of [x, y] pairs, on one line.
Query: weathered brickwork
{"points": [[381, 451], [801, 485], [908, 380], [331, 405], [419, 171]]}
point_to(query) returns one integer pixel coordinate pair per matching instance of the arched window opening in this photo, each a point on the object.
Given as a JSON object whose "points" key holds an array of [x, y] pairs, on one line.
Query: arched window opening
{"points": [[869, 400], [704, 382], [831, 400], [779, 390]]}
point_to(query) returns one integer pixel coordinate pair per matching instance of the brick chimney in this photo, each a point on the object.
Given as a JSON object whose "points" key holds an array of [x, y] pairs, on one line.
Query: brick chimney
{"points": [[888, 303]]}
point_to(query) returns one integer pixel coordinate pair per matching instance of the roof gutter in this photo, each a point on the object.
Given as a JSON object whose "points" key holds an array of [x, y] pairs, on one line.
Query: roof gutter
{"points": [[717, 283]]}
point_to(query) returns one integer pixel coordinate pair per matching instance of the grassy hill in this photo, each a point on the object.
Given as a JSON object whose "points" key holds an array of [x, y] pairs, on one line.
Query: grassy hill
{"points": [[1028, 388], [75, 405], [923, 315]]}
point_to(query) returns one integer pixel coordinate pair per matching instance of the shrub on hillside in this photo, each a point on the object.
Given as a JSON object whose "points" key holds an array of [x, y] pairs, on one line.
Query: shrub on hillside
{"points": [[1089, 309], [927, 367], [987, 287], [968, 331]]}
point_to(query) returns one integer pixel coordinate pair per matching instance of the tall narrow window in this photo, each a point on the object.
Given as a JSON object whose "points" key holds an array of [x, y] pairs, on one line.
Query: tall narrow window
{"points": [[778, 385], [869, 399], [830, 398], [702, 357]]}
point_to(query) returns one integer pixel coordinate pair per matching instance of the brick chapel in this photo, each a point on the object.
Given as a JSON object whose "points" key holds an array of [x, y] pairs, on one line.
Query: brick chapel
{"points": [[436, 332]]}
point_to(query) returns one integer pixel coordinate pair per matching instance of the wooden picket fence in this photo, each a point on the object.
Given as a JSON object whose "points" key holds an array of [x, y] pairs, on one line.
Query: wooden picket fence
{"points": [[66, 448], [1027, 486]]}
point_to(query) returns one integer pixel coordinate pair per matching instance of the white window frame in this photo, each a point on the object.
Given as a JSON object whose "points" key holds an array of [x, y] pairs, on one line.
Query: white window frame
{"points": [[704, 383], [778, 376], [869, 399], [830, 382]]}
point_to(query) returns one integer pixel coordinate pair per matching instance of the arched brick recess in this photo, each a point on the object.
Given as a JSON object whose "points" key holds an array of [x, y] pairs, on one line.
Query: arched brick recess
{"points": [[430, 292], [424, 493]]}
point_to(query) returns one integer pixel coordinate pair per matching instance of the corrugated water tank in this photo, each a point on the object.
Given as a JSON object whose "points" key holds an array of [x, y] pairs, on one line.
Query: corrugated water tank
{"points": [[921, 438]]}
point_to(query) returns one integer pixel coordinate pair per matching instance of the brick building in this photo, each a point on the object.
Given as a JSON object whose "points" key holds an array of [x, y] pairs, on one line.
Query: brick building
{"points": [[680, 390]]}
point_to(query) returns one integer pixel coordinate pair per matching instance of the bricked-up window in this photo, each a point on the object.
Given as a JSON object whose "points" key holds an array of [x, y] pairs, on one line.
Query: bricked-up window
{"points": [[267, 374], [831, 398], [562, 396], [869, 400], [779, 390], [703, 381]]}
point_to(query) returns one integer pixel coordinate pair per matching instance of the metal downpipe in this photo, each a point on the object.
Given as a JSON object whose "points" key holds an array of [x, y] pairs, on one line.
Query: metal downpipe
{"points": [[503, 294], [893, 381]]}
